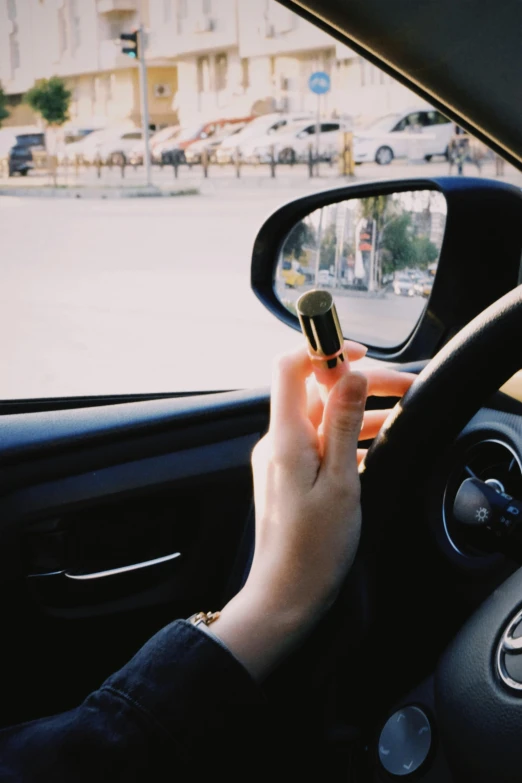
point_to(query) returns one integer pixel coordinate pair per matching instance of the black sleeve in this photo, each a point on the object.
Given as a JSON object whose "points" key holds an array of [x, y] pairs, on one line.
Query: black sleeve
{"points": [[180, 703]]}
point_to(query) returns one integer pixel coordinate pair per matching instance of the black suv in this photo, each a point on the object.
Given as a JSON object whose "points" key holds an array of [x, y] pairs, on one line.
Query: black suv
{"points": [[20, 156]]}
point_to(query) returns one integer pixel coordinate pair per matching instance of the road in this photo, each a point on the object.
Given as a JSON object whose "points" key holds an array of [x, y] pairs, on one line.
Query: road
{"points": [[384, 321], [110, 297], [145, 295]]}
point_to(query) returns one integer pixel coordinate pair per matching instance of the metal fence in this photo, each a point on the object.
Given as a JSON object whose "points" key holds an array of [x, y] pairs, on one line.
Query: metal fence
{"points": [[207, 165]]}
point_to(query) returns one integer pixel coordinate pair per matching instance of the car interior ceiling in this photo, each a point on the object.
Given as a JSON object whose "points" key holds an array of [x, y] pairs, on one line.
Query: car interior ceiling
{"points": [[97, 483]]}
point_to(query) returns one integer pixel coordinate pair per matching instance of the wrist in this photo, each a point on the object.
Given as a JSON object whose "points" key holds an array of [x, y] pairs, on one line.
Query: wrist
{"points": [[260, 632]]}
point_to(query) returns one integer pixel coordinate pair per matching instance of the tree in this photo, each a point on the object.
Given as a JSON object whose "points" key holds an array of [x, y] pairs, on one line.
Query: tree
{"points": [[398, 244], [328, 247], [302, 234], [401, 249], [4, 112], [426, 252], [51, 99]]}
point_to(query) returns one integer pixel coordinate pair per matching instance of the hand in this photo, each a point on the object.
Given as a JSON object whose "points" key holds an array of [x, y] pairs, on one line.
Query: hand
{"points": [[308, 514]]}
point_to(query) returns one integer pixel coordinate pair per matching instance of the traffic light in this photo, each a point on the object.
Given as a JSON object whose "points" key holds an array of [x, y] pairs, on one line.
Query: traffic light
{"points": [[130, 44]]}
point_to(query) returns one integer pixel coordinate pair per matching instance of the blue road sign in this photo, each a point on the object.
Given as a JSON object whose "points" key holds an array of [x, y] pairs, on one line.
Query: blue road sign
{"points": [[319, 82]]}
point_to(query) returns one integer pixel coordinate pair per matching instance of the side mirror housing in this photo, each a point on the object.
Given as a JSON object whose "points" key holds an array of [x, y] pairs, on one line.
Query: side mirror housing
{"points": [[409, 262]]}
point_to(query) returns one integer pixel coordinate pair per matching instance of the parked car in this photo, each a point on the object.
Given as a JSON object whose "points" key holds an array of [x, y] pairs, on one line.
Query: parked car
{"points": [[261, 126], [110, 145], [325, 278], [190, 135], [423, 286], [390, 136], [116, 147], [16, 149], [136, 154], [403, 285], [71, 136], [292, 143], [194, 153]]}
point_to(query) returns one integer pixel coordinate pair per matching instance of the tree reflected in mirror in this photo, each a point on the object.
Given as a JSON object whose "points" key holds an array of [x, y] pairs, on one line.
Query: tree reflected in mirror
{"points": [[378, 257]]}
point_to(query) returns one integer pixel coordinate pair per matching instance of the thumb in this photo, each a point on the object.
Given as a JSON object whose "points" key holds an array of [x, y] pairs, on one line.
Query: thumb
{"points": [[343, 417]]}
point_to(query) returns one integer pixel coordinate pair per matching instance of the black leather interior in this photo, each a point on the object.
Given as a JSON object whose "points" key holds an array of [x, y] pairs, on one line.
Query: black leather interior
{"points": [[479, 719]]}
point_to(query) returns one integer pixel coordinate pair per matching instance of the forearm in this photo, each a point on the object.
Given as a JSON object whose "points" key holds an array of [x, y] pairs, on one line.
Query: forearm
{"points": [[179, 691]]}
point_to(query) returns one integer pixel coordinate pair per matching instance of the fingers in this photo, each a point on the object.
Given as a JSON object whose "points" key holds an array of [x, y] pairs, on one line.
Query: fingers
{"points": [[328, 377], [289, 400], [354, 351], [372, 423], [315, 403], [288, 404], [388, 383], [343, 418], [361, 454]]}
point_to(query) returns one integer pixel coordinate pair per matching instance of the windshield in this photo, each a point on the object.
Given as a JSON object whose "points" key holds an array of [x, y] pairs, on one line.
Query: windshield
{"points": [[293, 127], [383, 123], [190, 133], [118, 279], [165, 134]]}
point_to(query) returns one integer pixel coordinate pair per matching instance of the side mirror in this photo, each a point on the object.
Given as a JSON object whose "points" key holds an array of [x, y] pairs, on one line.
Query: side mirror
{"points": [[408, 263]]}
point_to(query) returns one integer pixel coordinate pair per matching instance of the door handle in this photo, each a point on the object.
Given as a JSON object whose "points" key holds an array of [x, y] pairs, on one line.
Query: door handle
{"points": [[123, 569], [111, 571]]}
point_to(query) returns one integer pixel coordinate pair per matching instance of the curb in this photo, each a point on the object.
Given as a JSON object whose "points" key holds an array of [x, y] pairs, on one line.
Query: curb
{"points": [[97, 193]]}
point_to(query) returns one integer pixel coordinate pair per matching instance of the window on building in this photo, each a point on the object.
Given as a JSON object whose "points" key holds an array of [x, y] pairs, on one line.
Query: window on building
{"points": [[369, 73], [63, 42], [167, 10], [181, 14], [203, 67], [282, 19], [14, 46], [15, 99], [14, 52], [75, 22], [206, 7], [245, 73], [221, 71], [115, 27]]}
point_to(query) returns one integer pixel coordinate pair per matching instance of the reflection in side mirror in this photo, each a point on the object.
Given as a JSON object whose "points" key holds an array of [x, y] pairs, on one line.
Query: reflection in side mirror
{"points": [[377, 256]]}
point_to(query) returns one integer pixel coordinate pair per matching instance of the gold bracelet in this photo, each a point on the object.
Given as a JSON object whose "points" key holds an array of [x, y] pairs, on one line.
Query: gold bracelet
{"points": [[202, 618]]}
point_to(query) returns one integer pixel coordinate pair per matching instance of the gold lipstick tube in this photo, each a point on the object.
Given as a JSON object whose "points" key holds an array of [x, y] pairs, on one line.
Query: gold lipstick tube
{"points": [[320, 324]]}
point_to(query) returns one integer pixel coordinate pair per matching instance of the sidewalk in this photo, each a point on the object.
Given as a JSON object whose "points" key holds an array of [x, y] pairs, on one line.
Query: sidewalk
{"points": [[191, 181]]}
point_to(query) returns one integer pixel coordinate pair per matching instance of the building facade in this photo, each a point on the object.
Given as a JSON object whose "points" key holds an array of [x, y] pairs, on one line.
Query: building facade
{"points": [[206, 59], [78, 40]]}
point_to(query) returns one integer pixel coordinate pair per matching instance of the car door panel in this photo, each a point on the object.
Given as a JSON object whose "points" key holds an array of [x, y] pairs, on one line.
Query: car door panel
{"points": [[87, 491]]}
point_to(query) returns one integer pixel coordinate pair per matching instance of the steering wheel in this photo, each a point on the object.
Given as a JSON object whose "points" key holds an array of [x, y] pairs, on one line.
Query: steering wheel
{"points": [[477, 717]]}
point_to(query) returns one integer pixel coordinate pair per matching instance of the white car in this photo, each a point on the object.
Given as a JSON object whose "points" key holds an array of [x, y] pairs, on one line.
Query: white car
{"points": [[293, 143], [194, 152], [403, 285], [109, 146], [264, 125], [116, 149], [137, 152], [393, 135], [325, 278], [72, 136]]}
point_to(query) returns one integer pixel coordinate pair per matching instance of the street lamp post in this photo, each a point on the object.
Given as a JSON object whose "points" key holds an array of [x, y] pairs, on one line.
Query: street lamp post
{"points": [[144, 103]]}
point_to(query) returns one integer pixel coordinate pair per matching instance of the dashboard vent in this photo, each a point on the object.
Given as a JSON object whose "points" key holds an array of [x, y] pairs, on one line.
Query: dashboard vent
{"points": [[489, 460]]}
